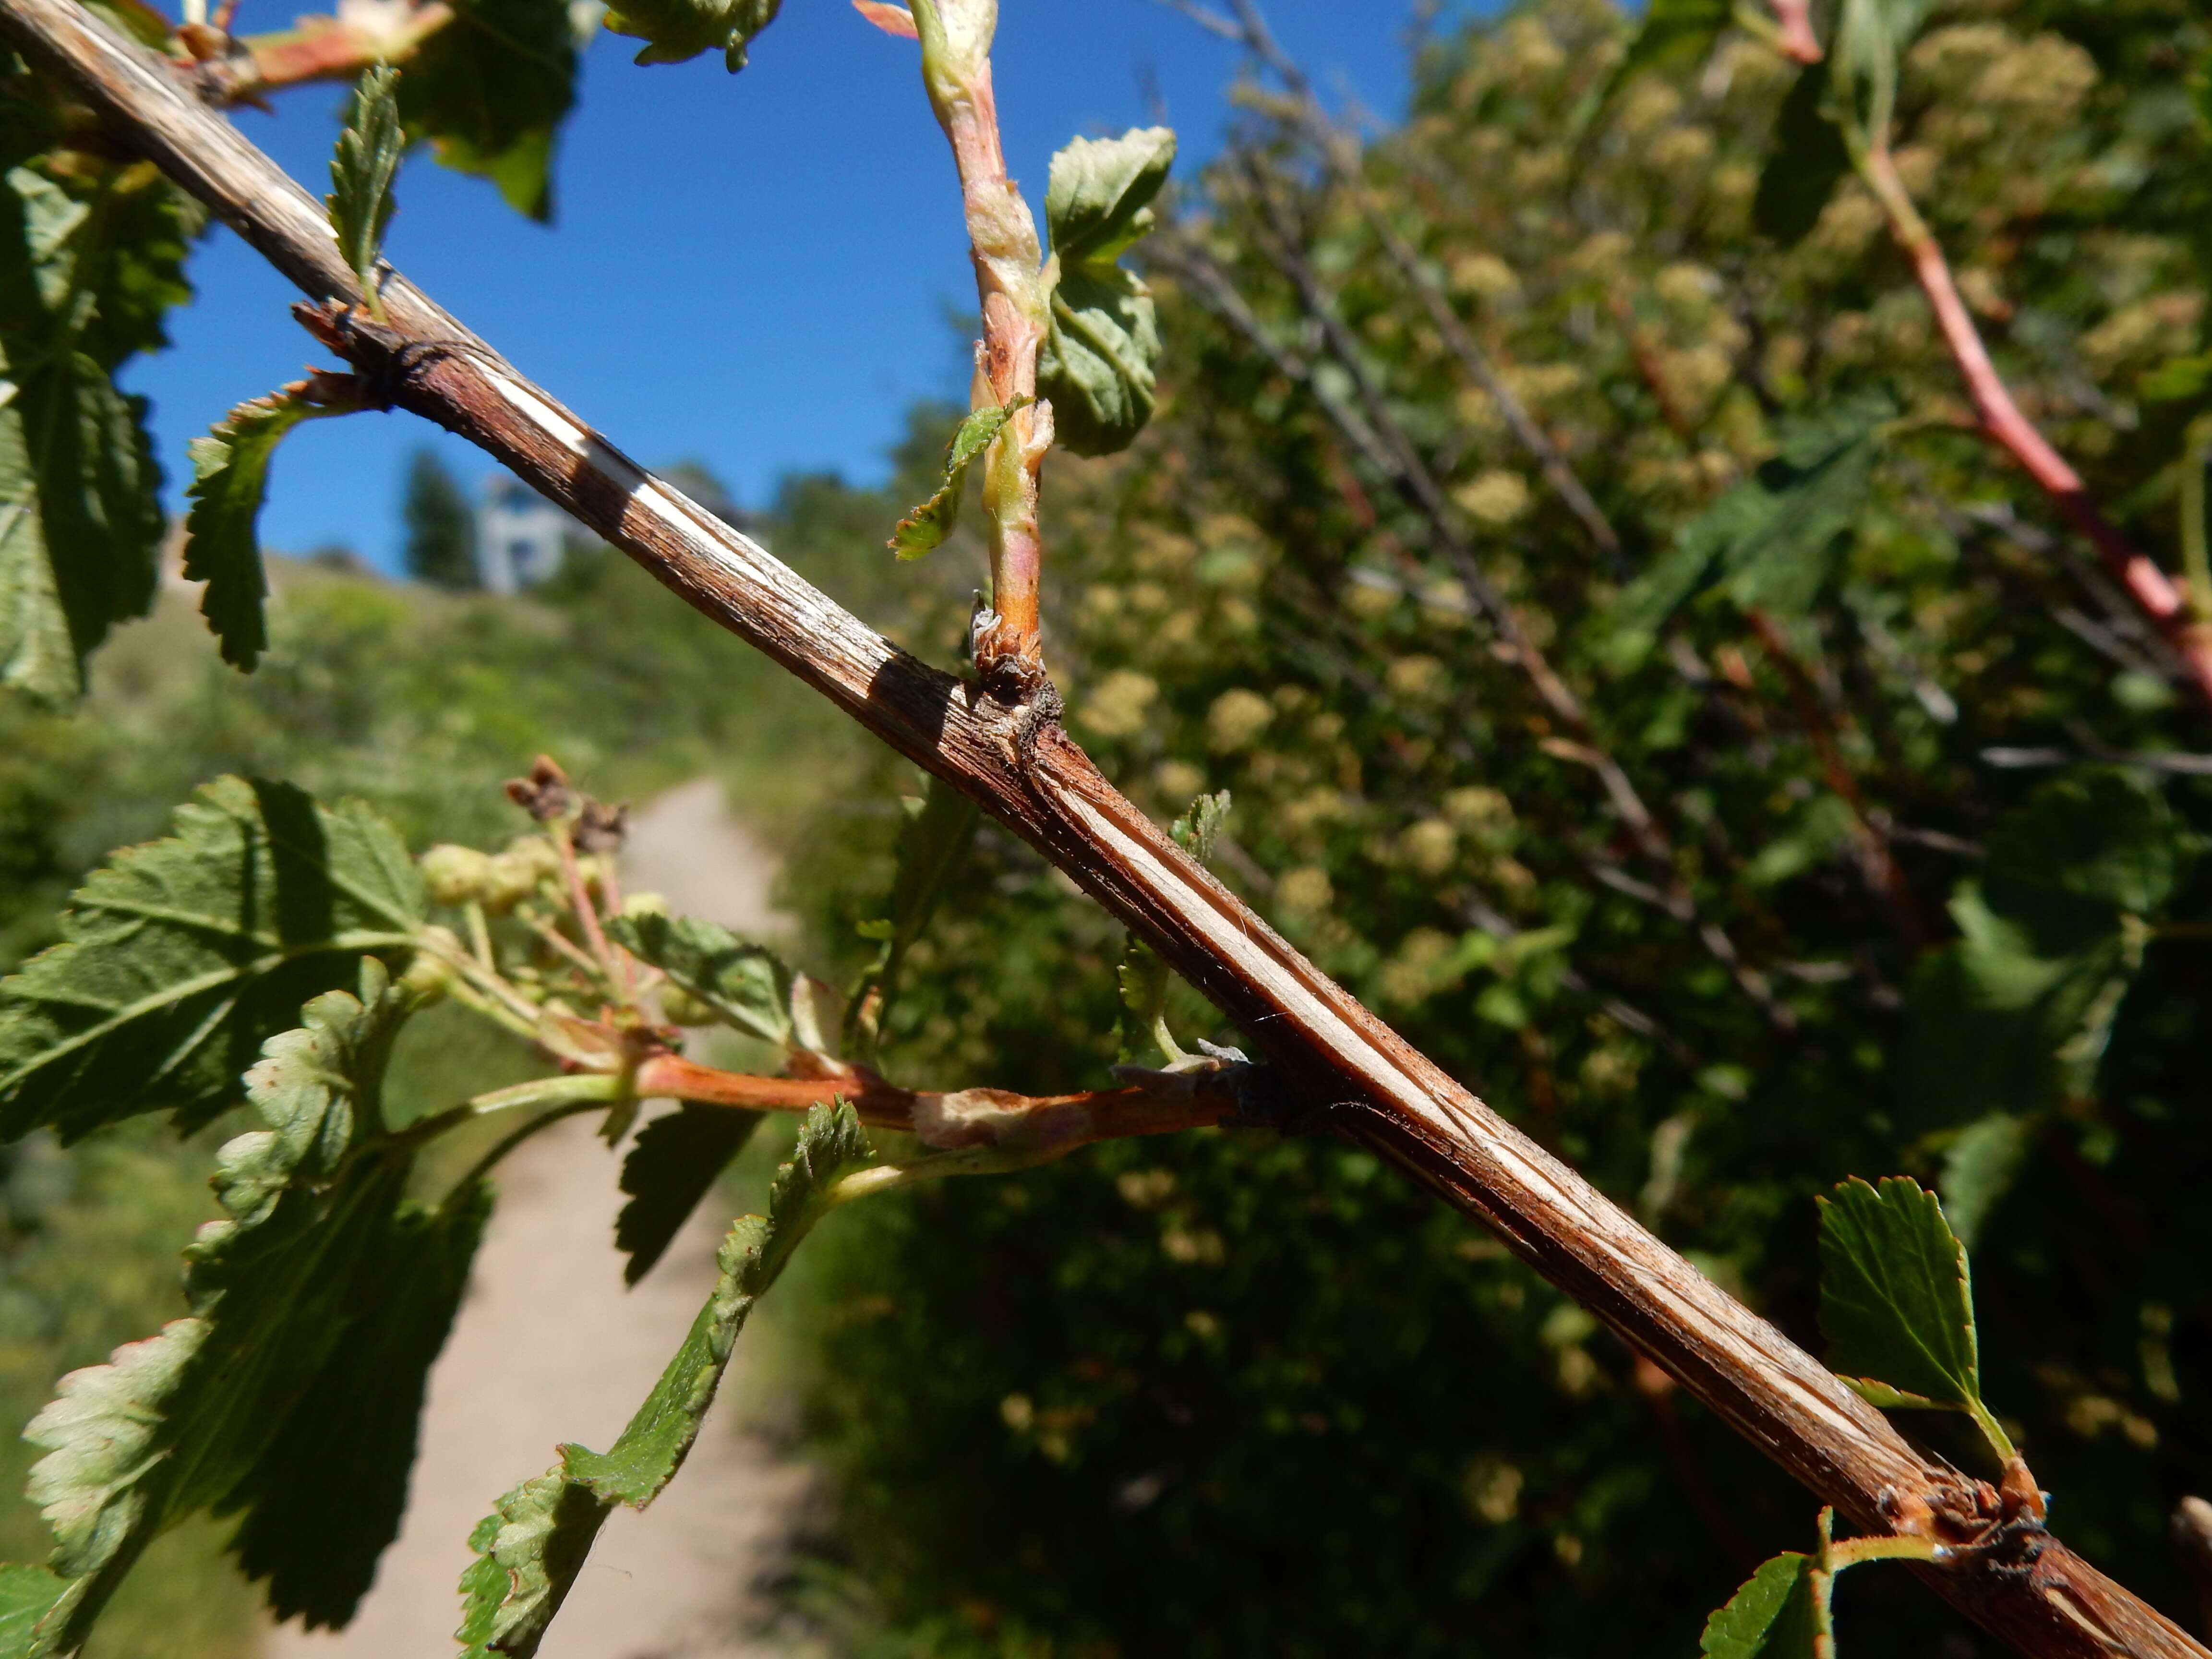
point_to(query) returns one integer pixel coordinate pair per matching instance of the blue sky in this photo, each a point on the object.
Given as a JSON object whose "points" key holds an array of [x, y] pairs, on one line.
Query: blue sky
{"points": [[755, 270]]}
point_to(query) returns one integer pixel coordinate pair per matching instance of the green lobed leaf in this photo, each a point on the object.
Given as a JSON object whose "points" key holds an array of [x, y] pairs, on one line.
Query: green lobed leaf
{"points": [[529, 1550], [1098, 197], [1804, 164], [2083, 851], [1772, 542], [533, 1544], [230, 468], [1979, 1168], [2017, 1013], [1897, 1303], [675, 30], [326, 1496], [1142, 980], [28, 1595], [188, 1420], [362, 166], [1143, 976], [748, 985], [490, 90], [1776, 1615], [1196, 830], [1100, 360], [83, 281], [677, 1160], [931, 522], [181, 958]]}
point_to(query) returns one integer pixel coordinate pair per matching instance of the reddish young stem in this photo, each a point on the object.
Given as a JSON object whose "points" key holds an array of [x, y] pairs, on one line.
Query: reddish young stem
{"points": [[316, 49], [947, 1120], [2150, 587], [1796, 38], [1003, 244]]}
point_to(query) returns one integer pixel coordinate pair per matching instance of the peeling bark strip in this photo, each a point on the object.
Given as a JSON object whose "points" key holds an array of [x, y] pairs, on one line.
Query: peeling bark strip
{"points": [[2014, 1578]]}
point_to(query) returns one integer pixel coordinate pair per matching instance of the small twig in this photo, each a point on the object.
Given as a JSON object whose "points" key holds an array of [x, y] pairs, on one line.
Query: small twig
{"points": [[577, 1092], [2150, 588], [317, 48], [2183, 765], [561, 943], [1007, 256], [579, 900], [1341, 151], [1373, 432], [951, 1121]]}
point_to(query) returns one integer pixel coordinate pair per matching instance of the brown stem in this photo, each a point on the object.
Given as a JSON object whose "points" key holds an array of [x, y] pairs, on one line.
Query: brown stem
{"points": [[1326, 1050], [948, 1120], [2150, 587], [2192, 1537]]}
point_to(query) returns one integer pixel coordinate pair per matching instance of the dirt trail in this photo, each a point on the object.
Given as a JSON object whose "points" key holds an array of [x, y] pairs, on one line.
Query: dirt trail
{"points": [[550, 1347]]}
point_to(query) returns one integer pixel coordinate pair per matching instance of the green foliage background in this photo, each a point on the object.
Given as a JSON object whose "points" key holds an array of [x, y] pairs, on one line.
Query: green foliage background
{"points": [[1240, 1393], [1234, 1393]]}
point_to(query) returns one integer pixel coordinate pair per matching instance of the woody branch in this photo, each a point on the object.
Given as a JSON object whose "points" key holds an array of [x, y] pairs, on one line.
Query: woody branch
{"points": [[1327, 1050]]}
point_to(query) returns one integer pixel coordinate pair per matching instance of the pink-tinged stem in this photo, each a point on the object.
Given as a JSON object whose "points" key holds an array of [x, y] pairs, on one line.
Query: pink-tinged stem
{"points": [[317, 48], [1796, 38], [2152, 591], [1003, 244]]}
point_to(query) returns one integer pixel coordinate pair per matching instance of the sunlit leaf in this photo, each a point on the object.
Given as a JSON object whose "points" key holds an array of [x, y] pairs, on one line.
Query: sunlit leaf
{"points": [[747, 985], [1773, 541], [188, 1420], [362, 166], [82, 285], [1897, 1303], [185, 955], [230, 468], [679, 29], [1979, 1168], [1101, 356], [1776, 1615], [931, 522]]}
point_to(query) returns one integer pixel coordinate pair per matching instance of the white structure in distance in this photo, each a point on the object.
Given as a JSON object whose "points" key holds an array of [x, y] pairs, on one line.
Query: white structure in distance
{"points": [[520, 536]]}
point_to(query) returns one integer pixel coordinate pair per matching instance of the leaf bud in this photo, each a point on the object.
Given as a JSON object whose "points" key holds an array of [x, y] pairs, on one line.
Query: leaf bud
{"points": [[680, 1007], [537, 855], [454, 875], [431, 974], [508, 880]]}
